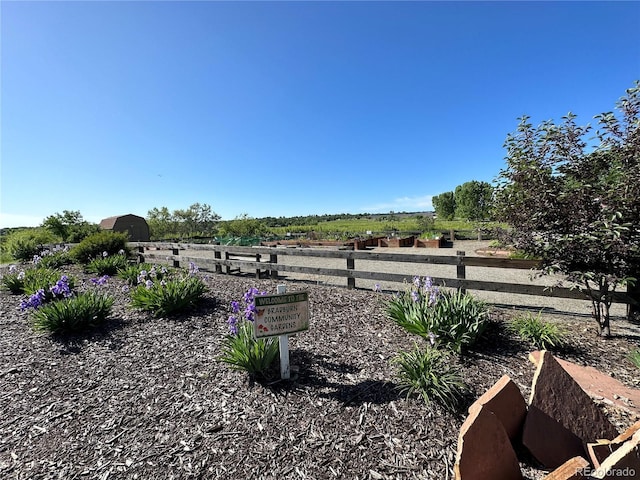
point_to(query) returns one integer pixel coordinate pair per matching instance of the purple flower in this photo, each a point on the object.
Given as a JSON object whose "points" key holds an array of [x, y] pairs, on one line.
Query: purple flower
{"points": [[125, 289], [432, 338], [105, 254], [250, 311], [193, 268], [415, 296], [416, 281], [34, 301], [233, 325], [235, 307], [100, 281], [433, 295], [428, 283], [148, 284], [12, 268], [376, 287], [21, 275]]}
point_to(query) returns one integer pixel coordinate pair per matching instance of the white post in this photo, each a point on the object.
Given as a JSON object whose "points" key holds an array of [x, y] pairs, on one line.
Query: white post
{"points": [[283, 343]]}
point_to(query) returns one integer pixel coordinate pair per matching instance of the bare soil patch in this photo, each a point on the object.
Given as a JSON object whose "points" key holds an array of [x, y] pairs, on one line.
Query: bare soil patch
{"points": [[146, 398]]}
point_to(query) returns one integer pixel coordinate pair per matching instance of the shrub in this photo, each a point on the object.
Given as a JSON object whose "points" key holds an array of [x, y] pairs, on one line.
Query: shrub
{"points": [[73, 314], [542, 334], [23, 245], [166, 297], [457, 319], [95, 245], [432, 374], [240, 348], [107, 264]]}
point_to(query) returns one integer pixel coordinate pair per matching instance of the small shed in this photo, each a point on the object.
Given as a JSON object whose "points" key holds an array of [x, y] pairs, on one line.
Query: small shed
{"points": [[136, 227]]}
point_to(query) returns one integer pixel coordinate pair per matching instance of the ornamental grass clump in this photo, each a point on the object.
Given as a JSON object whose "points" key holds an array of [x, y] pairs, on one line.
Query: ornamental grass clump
{"points": [[107, 264], [542, 334], [240, 348], [169, 295], [458, 319], [432, 374]]}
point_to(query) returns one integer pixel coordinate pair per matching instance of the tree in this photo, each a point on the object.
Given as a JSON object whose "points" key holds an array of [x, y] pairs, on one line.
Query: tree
{"points": [[243, 226], [576, 209], [197, 219], [473, 200], [69, 226], [444, 205]]}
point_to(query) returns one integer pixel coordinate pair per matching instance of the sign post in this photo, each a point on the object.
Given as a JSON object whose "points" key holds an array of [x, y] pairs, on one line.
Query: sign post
{"points": [[279, 315]]}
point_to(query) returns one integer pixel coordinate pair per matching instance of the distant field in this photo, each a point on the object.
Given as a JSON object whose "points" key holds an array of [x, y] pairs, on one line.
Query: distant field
{"points": [[359, 226]]}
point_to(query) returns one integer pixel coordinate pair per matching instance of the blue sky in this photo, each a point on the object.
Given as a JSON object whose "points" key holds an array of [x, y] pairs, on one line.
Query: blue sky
{"points": [[287, 108]]}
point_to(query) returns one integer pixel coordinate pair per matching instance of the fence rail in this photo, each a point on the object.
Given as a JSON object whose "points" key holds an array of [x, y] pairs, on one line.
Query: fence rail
{"points": [[264, 262]]}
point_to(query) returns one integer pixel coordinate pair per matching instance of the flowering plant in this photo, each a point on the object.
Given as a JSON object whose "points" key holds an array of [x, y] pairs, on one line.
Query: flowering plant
{"points": [[161, 293], [107, 264], [241, 349], [457, 319]]}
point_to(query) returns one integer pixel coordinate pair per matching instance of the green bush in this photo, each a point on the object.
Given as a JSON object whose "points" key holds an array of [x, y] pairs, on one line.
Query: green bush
{"points": [[95, 245], [432, 374], [240, 348], [542, 334], [107, 265], [455, 319], [166, 297], [74, 314], [23, 245]]}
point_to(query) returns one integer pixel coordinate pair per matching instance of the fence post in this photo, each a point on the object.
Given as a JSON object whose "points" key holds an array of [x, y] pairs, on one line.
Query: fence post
{"points": [[176, 252], [140, 253], [218, 256], [461, 273], [228, 268], [273, 258], [351, 264], [258, 269]]}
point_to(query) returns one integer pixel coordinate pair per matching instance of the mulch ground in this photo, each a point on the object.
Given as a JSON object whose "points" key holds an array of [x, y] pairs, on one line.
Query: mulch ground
{"points": [[147, 398]]}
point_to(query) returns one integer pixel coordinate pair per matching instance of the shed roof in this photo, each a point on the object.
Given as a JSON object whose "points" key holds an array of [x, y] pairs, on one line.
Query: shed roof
{"points": [[109, 222]]}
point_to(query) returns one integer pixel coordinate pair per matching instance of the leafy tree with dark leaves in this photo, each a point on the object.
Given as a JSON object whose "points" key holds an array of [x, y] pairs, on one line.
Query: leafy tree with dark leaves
{"points": [[578, 208]]}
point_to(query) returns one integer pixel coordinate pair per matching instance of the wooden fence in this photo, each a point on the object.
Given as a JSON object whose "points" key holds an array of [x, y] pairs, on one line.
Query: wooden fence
{"points": [[264, 262]]}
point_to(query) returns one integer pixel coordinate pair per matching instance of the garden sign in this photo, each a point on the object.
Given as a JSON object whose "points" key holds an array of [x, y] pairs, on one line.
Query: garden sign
{"points": [[281, 314]]}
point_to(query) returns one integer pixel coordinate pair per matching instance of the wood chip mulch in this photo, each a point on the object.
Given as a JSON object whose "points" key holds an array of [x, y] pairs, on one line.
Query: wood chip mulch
{"points": [[147, 398]]}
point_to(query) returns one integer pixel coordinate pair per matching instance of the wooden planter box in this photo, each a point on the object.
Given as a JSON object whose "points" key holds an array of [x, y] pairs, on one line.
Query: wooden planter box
{"points": [[429, 242]]}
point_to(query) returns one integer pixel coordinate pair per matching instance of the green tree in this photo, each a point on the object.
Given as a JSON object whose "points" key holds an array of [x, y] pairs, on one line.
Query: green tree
{"points": [[474, 200], [69, 226], [243, 226], [444, 205], [578, 209]]}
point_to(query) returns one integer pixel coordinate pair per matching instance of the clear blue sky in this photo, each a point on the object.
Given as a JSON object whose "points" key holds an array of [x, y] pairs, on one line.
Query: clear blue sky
{"points": [[287, 108]]}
